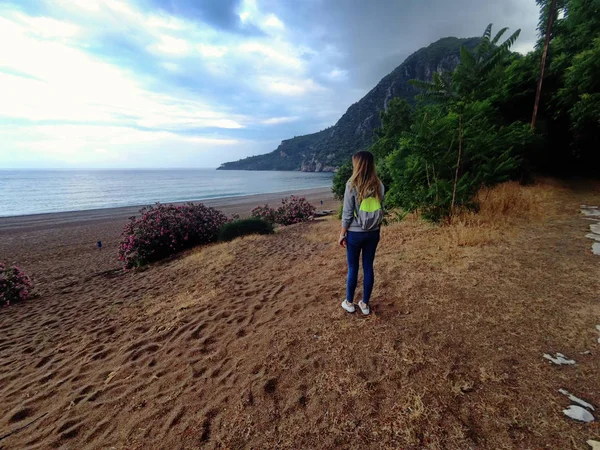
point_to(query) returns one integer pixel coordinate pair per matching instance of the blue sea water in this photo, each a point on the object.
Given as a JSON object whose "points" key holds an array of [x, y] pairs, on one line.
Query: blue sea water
{"points": [[42, 191]]}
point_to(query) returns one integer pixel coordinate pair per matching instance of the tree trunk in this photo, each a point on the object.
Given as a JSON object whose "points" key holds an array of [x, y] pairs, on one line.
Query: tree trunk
{"points": [[457, 166], [543, 65]]}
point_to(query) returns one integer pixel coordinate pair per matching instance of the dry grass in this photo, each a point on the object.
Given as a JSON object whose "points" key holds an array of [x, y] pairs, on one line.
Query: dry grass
{"points": [[510, 202], [501, 210]]}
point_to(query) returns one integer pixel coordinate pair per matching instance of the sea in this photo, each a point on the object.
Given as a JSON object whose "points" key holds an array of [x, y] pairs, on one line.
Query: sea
{"points": [[25, 192]]}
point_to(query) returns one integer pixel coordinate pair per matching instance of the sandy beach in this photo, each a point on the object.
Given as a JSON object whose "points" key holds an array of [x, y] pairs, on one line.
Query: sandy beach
{"points": [[244, 344], [64, 244]]}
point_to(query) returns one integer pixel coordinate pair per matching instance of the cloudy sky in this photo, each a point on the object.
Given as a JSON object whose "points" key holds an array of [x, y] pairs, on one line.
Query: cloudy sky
{"points": [[194, 83]]}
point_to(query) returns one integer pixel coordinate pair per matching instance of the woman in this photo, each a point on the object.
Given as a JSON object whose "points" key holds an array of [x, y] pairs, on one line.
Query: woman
{"points": [[361, 218]]}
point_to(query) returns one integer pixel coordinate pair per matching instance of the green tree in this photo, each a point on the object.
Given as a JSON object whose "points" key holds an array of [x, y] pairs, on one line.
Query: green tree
{"points": [[340, 179], [394, 121], [569, 101]]}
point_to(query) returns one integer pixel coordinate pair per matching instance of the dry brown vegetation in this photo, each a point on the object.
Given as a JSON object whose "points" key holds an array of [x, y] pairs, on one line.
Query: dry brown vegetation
{"points": [[244, 344]]}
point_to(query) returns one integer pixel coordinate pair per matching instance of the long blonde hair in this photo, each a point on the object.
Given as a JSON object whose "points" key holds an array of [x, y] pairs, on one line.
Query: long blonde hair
{"points": [[364, 176]]}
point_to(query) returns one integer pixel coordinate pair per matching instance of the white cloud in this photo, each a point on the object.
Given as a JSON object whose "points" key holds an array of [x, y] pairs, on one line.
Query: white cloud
{"points": [[88, 5], [274, 22], [248, 10], [280, 120], [162, 21], [47, 27], [211, 51], [338, 74], [172, 67], [244, 16], [290, 87], [271, 55], [250, 13], [67, 84], [523, 47], [67, 139], [103, 145], [171, 45], [120, 6]]}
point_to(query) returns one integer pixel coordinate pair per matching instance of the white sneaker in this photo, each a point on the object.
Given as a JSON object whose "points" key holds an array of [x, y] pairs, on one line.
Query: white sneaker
{"points": [[364, 308], [348, 306]]}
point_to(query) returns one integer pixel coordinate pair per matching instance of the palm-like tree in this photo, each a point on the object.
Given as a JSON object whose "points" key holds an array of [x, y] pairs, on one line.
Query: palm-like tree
{"points": [[474, 69], [468, 82]]}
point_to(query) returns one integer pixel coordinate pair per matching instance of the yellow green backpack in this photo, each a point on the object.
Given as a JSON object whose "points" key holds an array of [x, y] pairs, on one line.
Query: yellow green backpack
{"points": [[369, 213]]}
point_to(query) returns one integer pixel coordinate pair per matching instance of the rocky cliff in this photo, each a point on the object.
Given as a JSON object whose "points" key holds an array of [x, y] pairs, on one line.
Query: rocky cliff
{"points": [[329, 148]]}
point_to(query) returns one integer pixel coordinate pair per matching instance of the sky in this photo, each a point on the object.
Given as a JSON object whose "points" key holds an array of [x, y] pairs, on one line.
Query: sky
{"points": [[195, 83]]}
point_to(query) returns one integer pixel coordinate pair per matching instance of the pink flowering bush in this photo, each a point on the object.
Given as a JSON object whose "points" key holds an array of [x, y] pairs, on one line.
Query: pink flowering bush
{"points": [[15, 285], [294, 210], [266, 213], [163, 230]]}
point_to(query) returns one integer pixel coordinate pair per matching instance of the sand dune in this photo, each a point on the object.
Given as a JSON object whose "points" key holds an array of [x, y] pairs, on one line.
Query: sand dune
{"points": [[244, 345]]}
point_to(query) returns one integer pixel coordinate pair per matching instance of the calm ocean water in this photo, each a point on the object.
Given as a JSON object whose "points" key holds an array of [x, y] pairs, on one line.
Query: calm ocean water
{"points": [[42, 191]]}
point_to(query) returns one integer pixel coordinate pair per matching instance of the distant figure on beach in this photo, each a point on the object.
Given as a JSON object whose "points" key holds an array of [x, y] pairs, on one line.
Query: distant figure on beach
{"points": [[99, 245], [361, 218]]}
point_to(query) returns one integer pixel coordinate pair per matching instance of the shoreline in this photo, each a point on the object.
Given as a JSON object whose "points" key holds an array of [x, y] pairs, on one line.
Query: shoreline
{"points": [[241, 205]]}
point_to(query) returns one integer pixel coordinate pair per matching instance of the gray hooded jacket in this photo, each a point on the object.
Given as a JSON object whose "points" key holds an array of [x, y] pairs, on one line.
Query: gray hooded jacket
{"points": [[351, 205]]}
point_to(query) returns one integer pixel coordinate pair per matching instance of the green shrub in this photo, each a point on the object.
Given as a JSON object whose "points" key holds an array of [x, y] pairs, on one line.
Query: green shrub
{"points": [[244, 227], [340, 179]]}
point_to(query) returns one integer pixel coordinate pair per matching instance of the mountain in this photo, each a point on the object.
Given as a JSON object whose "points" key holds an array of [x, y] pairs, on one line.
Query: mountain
{"points": [[328, 149]]}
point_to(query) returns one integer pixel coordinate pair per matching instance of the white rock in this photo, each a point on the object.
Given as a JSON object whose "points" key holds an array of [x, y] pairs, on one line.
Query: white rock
{"points": [[593, 236], [590, 211], [576, 399], [598, 327], [578, 413], [559, 359], [595, 228], [594, 444], [596, 248]]}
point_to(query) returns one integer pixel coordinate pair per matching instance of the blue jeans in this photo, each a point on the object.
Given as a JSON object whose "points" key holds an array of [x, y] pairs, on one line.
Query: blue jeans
{"points": [[355, 243]]}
